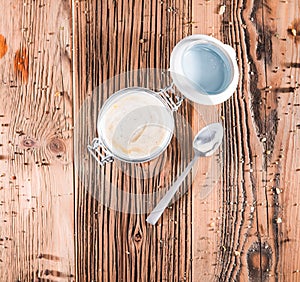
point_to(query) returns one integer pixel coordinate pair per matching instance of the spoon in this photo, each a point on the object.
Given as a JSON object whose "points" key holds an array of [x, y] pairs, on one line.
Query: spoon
{"points": [[205, 143]]}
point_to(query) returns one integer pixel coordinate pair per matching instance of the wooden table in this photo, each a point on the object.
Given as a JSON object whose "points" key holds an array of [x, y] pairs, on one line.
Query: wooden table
{"points": [[53, 54]]}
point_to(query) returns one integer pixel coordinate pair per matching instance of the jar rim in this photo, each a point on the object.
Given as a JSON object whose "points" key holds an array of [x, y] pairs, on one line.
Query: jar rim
{"points": [[116, 96], [186, 86]]}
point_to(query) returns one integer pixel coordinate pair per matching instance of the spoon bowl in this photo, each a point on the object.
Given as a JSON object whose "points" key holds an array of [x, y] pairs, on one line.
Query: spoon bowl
{"points": [[205, 143], [208, 140]]}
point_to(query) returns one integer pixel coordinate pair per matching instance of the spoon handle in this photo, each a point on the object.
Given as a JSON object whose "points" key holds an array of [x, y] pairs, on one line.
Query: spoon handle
{"points": [[164, 202]]}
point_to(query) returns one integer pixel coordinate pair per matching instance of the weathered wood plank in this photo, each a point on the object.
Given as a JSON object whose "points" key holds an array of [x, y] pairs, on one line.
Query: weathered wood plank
{"points": [[111, 38], [280, 22], [206, 188], [258, 196], [36, 194]]}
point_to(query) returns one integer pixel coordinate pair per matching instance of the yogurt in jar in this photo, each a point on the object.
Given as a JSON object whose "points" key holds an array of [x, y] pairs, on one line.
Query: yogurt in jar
{"points": [[135, 125]]}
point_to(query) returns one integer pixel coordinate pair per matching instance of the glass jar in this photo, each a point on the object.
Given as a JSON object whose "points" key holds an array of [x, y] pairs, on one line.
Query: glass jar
{"points": [[134, 125]]}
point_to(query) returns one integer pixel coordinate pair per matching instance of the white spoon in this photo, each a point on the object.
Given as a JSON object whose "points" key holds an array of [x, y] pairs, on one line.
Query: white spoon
{"points": [[205, 143]]}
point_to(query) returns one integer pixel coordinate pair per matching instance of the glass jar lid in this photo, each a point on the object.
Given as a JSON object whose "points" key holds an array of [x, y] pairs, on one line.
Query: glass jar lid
{"points": [[204, 69]]}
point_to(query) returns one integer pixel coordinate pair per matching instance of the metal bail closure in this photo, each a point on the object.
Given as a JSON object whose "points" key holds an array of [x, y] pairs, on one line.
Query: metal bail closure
{"points": [[173, 103], [98, 155]]}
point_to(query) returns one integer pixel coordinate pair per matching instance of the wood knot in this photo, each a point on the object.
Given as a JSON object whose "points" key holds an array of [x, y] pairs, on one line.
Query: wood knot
{"points": [[138, 237], [57, 147], [3, 46], [21, 64], [259, 260], [294, 30], [28, 143]]}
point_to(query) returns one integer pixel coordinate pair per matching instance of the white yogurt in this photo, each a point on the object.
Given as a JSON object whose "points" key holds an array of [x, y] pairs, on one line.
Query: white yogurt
{"points": [[135, 125]]}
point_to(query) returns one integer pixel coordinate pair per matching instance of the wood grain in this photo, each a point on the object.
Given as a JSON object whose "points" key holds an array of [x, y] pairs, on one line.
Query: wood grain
{"points": [[245, 229], [36, 194], [206, 208], [237, 233], [111, 38], [260, 171]]}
